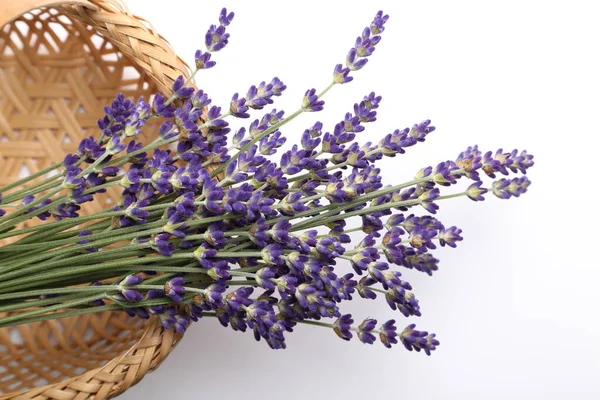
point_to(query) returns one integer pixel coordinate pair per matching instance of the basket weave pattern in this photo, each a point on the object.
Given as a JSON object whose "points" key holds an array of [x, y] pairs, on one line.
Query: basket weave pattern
{"points": [[58, 67]]}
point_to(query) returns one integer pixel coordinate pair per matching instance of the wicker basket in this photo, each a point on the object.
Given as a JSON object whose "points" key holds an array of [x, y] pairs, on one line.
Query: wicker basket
{"points": [[60, 62]]}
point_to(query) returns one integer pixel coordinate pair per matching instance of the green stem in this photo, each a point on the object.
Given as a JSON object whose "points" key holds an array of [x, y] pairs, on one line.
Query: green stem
{"points": [[267, 132], [366, 210], [68, 290], [29, 268], [337, 208], [86, 300], [238, 254], [33, 190], [30, 177], [64, 224], [17, 216], [20, 305]]}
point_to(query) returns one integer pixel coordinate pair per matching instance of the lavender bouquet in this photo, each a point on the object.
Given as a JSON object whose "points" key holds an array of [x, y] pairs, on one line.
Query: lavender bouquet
{"points": [[211, 224]]}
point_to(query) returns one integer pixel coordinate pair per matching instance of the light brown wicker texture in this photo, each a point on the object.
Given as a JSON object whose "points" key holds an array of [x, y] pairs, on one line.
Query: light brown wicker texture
{"points": [[59, 64]]}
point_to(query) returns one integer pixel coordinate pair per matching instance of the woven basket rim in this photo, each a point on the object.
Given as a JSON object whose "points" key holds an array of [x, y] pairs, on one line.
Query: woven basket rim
{"points": [[104, 16]]}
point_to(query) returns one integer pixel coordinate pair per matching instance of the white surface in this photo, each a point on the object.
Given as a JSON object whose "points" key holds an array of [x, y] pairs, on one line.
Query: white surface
{"points": [[516, 305]]}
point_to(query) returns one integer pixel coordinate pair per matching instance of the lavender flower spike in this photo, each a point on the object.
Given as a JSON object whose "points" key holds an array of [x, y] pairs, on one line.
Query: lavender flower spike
{"points": [[365, 44], [216, 38]]}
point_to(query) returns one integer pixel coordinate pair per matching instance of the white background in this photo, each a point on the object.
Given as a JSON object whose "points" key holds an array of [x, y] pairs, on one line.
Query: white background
{"points": [[516, 304]]}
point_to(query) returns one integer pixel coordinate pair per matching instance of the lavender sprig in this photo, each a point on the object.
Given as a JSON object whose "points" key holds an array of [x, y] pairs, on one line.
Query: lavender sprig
{"points": [[187, 240]]}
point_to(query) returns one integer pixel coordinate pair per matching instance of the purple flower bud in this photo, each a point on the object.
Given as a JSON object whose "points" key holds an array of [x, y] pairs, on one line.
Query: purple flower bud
{"points": [[200, 100], [388, 334], [216, 38], [159, 106], [520, 162], [180, 90], [426, 200], [470, 161], [416, 340], [175, 289], [353, 61], [110, 171], [238, 107], [114, 145], [311, 101], [505, 189], [213, 119], [225, 18], [372, 101], [203, 60], [450, 236], [343, 326], [272, 253], [365, 331], [132, 280], [340, 74], [475, 192], [377, 24]]}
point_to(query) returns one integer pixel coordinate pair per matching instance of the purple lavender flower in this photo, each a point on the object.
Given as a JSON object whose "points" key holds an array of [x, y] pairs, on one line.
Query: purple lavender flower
{"points": [[343, 325], [365, 44], [443, 175], [365, 331], [365, 113], [180, 90], [505, 189], [131, 295], [364, 288], [203, 60], [387, 333], [115, 115], [238, 107], [426, 200], [475, 192], [225, 18], [422, 237], [404, 301], [395, 142], [160, 106], [174, 288], [450, 236], [261, 95], [272, 253], [268, 145], [416, 340], [340, 74], [470, 161], [89, 150], [114, 145], [294, 160], [311, 137], [372, 101], [378, 22], [199, 100], [216, 38], [311, 101], [520, 161], [214, 120]]}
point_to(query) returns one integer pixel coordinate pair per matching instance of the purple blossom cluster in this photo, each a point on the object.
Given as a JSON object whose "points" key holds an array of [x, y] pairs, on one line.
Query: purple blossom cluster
{"points": [[234, 210]]}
